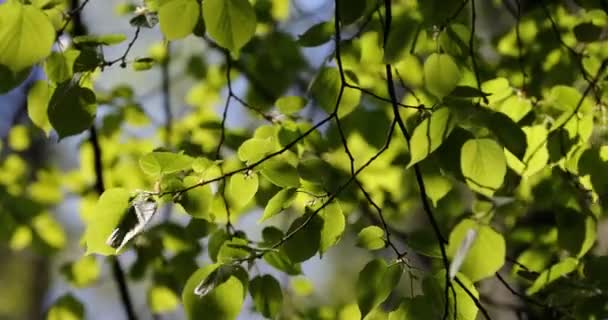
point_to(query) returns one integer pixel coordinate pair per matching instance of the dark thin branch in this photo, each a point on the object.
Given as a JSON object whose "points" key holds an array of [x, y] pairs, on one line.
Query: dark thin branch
{"points": [[123, 58], [474, 298], [420, 181], [253, 165], [166, 90], [73, 14], [117, 272], [378, 97], [351, 158]]}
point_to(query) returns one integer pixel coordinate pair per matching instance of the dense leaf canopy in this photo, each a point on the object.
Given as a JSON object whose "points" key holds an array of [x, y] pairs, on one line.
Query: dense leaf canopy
{"points": [[434, 159]]}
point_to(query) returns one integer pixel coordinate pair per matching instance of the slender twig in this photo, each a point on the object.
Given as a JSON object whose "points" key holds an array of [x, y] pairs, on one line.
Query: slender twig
{"points": [[423, 195], [123, 58], [474, 298], [117, 272], [166, 89]]}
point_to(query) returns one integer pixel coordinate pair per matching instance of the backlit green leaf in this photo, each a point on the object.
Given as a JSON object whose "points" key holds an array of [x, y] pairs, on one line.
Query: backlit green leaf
{"points": [[162, 299], [371, 238], [109, 210], [59, 66], [197, 201], [552, 274], [66, 308], [485, 256], [26, 35], [280, 201], [430, 134], [98, 40], [326, 88], [333, 225], [281, 173], [441, 74], [160, 163], [483, 165], [38, 99], [223, 302], [178, 17], [231, 23], [241, 188], [375, 283]]}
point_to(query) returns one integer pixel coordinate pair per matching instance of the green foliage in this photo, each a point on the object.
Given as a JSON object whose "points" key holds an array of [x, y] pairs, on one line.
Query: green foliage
{"points": [[66, 308], [178, 17], [484, 157], [222, 294], [371, 238], [26, 35], [231, 23], [484, 257]]}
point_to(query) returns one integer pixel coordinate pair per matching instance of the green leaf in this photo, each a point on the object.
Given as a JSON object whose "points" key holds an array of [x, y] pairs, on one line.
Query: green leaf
{"points": [[566, 99], [216, 241], [317, 35], [254, 149], [537, 154], [18, 138], [333, 225], [506, 130], [326, 88], [82, 272], [10, 80], [71, 109], [468, 92], [587, 32], [483, 165], [281, 173], [279, 202], [576, 232], [371, 238], [267, 295], [162, 299], [142, 64], [306, 241], [108, 212], [485, 256], [178, 17], [400, 38], [26, 35], [161, 163], [441, 74], [437, 184], [66, 308], [416, 308], [462, 304], [282, 262], [430, 134], [241, 189], [223, 301], [555, 272], [231, 23], [290, 104], [233, 249], [375, 283], [351, 10], [59, 66], [197, 202], [99, 40]]}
